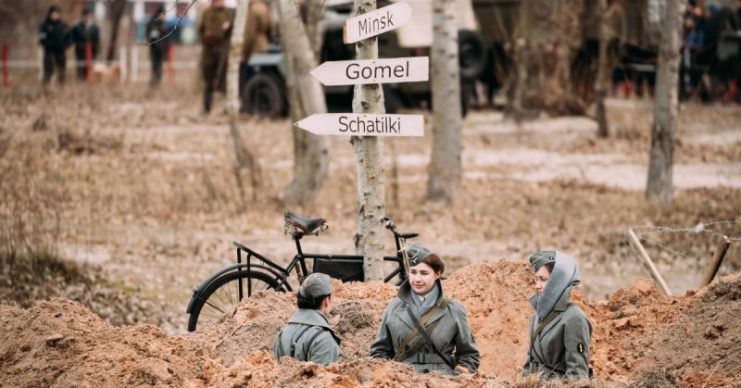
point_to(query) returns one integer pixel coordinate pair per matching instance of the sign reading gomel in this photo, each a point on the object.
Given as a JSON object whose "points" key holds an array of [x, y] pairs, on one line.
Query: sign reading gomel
{"points": [[363, 124], [373, 71], [376, 22]]}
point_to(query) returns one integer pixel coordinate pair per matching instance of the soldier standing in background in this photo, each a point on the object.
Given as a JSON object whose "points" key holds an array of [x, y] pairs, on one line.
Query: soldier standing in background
{"points": [[83, 33], [214, 30], [157, 44], [54, 38], [257, 31]]}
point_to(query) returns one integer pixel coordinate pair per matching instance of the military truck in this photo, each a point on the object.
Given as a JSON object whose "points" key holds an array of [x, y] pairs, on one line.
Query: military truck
{"points": [[263, 87]]}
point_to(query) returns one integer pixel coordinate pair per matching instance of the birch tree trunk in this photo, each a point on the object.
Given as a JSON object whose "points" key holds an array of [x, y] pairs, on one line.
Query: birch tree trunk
{"points": [[445, 165], [666, 108], [369, 157], [244, 158], [314, 25], [311, 152]]}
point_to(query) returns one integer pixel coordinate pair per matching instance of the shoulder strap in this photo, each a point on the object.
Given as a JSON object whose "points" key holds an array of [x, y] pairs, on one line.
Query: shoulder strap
{"points": [[548, 318], [404, 346], [296, 339], [427, 338]]}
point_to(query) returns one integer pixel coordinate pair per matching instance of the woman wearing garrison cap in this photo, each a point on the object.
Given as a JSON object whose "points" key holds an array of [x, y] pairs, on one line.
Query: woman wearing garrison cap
{"points": [[559, 331], [421, 327]]}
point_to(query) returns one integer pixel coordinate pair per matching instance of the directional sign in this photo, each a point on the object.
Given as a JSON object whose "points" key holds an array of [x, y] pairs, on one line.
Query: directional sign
{"points": [[376, 22], [373, 71], [363, 124]]}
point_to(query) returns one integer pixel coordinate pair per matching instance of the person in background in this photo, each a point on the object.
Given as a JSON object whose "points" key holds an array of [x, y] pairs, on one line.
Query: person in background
{"points": [[85, 33], [421, 327], [156, 36], [214, 30], [257, 30], [54, 39], [560, 333], [308, 336]]}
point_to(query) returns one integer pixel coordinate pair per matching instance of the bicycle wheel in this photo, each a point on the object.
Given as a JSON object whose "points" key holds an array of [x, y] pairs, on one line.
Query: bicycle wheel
{"points": [[222, 295]]}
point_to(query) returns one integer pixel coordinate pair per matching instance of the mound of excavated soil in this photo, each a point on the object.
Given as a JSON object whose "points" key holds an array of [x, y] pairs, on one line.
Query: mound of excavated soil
{"points": [[689, 340], [61, 342]]}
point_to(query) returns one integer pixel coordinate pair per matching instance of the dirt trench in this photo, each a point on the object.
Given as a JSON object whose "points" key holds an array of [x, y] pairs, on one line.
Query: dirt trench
{"points": [[639, 335]]}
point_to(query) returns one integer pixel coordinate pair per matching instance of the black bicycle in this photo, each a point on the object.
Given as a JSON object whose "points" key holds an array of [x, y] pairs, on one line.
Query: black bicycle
{"points": [[253, 272]]}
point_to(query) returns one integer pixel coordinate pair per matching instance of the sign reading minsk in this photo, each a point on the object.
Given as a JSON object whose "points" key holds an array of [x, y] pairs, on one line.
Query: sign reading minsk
{"points": [[376, 22], [363, 124], [373, 71]]}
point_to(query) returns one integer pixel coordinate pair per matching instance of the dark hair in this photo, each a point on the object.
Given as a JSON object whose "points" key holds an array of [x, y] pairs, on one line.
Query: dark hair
{"points": [[550, 267], [86, 11], [53, 8], [435, 262], [310, 303]]}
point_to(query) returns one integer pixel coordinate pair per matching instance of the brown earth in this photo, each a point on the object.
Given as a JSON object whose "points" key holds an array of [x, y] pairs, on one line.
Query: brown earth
{"points": [[138, 188], [692, 339]]}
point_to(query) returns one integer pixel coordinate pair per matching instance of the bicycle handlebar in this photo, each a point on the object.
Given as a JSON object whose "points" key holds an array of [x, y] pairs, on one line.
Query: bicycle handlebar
{"points": [[389, 224]]}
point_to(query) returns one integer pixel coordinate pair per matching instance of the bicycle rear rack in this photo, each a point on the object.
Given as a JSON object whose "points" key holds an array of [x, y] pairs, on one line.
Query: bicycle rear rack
{"points": [[263, 263]]}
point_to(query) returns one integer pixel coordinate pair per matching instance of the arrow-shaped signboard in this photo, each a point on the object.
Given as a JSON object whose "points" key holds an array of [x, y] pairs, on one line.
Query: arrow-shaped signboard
{"points": [[363, 124], [373, 71], [376, 22]]}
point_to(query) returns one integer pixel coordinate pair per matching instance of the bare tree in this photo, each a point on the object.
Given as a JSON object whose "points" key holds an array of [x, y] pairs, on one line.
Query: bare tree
{"points": [[369, 157], [546, 39], [117, 12], [244, 158], [311, 152], [600, 86], [445, 168], [666, 108]]}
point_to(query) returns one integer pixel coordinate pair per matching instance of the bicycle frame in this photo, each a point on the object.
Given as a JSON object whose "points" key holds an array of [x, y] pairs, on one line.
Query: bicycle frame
{"points": [[298, 262], [254, 261]]}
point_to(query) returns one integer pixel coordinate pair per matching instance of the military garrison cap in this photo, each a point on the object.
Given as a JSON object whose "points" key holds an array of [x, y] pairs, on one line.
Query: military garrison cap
{"points": [[541, 258], [316, 285], [417, 253]]}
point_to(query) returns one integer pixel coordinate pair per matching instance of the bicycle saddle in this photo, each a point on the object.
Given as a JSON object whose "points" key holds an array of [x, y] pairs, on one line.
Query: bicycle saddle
{"points": [[306, 224]]}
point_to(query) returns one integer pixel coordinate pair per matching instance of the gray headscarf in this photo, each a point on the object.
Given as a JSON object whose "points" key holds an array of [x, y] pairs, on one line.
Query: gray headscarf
{"points": [[564, 276]]}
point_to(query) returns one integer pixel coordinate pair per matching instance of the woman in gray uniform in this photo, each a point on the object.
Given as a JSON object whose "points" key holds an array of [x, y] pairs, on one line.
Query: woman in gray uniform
{"points": [[559, 331], [421, 327]]}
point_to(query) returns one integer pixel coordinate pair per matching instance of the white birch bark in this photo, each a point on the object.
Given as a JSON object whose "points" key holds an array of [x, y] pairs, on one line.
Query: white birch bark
{"points": [[445, 164], [244, 159], [369, 156], [659, 184], [311, 152]]}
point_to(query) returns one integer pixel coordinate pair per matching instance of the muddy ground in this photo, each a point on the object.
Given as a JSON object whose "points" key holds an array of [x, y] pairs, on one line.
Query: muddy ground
{"points": [[137, 188]]}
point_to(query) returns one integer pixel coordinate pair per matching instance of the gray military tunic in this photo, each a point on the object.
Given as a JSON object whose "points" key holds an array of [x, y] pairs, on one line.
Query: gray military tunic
{"points": [[452, 335], [561, 349], [308, 337]]}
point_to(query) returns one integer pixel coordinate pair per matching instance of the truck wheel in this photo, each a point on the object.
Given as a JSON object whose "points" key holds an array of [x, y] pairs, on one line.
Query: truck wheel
{"points": [[471, 54], [263, 96]]}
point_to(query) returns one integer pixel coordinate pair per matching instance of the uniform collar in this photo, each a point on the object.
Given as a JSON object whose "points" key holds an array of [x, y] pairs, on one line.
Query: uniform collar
{"points": [[310, 317], [405, 292]]}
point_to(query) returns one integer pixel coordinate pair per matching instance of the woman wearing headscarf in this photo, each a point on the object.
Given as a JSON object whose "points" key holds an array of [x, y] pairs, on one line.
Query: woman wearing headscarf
{"points": [[422, 328], [560, 333]]}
